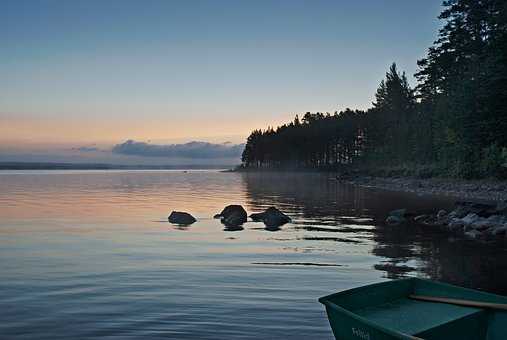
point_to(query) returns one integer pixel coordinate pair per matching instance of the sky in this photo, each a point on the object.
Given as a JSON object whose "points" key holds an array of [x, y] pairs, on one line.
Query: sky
{"points": [[97, 73]]}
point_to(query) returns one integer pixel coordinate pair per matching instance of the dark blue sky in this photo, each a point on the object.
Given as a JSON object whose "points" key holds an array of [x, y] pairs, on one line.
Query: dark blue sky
{"points": [[95, 71]]}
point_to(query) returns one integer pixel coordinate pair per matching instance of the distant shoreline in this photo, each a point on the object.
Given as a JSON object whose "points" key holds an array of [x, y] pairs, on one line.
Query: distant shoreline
{"points": [[103, 166]]}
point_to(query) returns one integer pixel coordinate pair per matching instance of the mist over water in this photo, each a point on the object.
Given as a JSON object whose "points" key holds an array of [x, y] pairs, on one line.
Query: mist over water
{"points": [[87, 254]]}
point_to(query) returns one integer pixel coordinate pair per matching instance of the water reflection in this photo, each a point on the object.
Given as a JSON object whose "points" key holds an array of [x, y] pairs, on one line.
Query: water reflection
{"points": [[233, 228], [96, 249], [338, 213]]}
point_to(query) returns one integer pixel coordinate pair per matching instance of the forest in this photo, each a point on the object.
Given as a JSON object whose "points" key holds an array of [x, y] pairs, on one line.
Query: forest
{"points": [[452, 123]]}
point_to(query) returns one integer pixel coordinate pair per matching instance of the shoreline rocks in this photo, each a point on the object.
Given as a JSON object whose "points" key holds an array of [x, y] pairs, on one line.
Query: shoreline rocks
{"points": [[488, 190], [181, 218], [473, 220]]}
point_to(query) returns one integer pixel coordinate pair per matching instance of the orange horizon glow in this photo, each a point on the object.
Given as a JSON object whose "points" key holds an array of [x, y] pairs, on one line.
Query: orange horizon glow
{"points": [[19, 132]]}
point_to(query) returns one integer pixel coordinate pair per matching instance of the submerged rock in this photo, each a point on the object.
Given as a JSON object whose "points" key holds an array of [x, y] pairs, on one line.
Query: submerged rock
{"points": [[441, 213], [232, 215], [498, 231], [456, 224], [394, 220], [397, 216], [501, 208], [421, 218], [181, 218], [272, 217], [470, 218], [402, 213], [474, 234]]}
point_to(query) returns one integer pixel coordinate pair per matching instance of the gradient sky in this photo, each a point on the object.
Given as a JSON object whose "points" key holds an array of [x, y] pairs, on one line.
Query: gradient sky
{"points": [[85, 72]]}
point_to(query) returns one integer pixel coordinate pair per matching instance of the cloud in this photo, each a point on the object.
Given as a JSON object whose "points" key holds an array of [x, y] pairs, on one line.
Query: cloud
{"points": [[86, 149], [187, 150]]}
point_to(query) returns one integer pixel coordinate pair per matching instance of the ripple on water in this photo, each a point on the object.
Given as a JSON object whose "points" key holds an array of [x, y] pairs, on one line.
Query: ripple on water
{"points": [[87, 254]]}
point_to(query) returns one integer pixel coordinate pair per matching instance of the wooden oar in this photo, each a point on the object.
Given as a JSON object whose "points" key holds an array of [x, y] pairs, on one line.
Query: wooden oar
{"points": [[460, 302], [411, 337]]}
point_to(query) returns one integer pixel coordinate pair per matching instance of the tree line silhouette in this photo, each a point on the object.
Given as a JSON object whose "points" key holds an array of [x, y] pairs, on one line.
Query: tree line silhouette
{"points": [[454, 122]]}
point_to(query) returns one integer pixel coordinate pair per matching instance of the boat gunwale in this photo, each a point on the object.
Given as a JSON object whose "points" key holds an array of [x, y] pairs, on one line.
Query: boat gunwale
{"points": [[415, 280], [326, 301]]}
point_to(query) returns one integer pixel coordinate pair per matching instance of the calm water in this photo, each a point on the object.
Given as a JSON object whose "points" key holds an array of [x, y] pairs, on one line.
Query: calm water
{"points": [[87, 254]]}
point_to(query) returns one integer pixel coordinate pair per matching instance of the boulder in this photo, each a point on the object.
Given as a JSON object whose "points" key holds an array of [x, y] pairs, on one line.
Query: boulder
{"points": [[480, 224], [501, 208], [470, 218], [233, 215], [456, 224], [493, 221], [481, 209], [499, 231], [497, 220], [401, 213], [272, 217], [397, 216], [181, 218], [421, 218], [473, 234], [394, 220], [235, 219], [441, 214]]}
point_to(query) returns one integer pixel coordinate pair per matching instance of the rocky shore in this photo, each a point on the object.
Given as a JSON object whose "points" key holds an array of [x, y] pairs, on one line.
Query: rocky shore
{"points": [[472, 220], [478, 190], [479, 213]]}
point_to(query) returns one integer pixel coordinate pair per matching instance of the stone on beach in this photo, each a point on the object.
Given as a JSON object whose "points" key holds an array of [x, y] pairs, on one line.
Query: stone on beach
{"points": [[181, 218], [272, 217]]}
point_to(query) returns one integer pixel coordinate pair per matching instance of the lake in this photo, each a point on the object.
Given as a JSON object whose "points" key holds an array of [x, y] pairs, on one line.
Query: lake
{"points": [[86, 254]]}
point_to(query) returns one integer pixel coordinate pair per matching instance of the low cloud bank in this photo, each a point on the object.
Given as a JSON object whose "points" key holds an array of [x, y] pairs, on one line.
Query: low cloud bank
{"points": [[86, 149], [201, 150]]}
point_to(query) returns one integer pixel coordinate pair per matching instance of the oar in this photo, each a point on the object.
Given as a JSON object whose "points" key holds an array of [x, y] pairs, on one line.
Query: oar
{"points": [[460, 302], [411, 337]]}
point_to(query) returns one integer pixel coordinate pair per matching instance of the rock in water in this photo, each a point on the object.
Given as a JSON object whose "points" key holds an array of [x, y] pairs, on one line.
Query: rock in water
{"points": [[396, 217], [480, 209], [421, 218], [474, 234], [501, 208], [181, 218], [401, 213], [233, 215], [394, 220], [441, 214], [272, 217]]}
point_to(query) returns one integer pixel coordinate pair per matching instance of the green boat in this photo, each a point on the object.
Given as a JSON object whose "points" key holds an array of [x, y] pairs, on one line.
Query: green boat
{"points": [[416, 309]]}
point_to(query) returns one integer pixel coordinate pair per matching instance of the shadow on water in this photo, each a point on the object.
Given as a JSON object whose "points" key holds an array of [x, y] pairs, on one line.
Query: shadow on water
{"points": [[234, 228], [334, 213]]}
